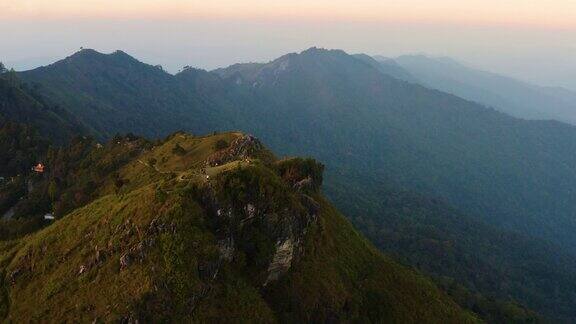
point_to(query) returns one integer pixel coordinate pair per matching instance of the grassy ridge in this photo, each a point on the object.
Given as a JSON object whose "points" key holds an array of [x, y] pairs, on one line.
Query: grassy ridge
{"points": [[152, 250]]}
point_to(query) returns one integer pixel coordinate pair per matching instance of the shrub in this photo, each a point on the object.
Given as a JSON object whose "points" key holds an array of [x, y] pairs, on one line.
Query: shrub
{"points": [[221, 144]]}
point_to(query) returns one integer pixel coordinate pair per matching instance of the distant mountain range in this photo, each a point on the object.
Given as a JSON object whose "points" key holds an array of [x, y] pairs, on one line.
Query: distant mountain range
{"points": [[416, 168], [514, 97]]}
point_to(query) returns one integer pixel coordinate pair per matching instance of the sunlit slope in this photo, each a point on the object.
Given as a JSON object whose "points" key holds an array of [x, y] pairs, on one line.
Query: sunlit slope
{"points": [[209, 229]]}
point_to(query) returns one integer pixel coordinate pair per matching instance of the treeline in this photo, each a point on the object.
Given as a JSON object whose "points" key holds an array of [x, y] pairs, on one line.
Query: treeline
{"points": [[21, 148], [22, 102]]}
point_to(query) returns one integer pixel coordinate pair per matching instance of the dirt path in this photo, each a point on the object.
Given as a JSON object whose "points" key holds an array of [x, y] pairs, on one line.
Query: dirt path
{"points": [[181, 174], [190, 174], [155, 167]]}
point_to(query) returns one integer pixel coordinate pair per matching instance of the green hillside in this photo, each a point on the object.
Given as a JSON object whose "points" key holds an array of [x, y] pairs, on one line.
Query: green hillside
{"points": [[28, 126], [492, 271], [375, 132], [203, 229], [23, 104], [116, 93], [512, 173]]}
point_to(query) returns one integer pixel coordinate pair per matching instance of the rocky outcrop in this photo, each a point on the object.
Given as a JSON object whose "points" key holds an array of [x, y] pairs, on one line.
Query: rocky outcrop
{"points": [[282, 260], [283, 226], [304, 184], [241, 148], [305, 175]]}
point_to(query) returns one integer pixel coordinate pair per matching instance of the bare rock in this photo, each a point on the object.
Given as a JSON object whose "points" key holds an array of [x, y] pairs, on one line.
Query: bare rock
{"points": [[241, 148], [250, 210], [304, 184], [282, 260]]}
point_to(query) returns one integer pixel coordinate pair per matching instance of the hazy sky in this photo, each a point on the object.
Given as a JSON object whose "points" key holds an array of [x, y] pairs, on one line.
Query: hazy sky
{"points": [[532, 40]]}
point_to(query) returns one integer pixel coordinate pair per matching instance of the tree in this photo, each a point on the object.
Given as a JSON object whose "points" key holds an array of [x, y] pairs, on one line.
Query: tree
{"points": [[3, 68], [12, 77]]}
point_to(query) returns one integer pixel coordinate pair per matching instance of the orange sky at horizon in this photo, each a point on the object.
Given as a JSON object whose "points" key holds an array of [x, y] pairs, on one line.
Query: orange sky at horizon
{"points": [[522, 13]]}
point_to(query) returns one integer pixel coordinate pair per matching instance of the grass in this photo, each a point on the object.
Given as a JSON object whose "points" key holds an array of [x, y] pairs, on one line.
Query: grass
{"points": [[150, 251], [345, 278]]}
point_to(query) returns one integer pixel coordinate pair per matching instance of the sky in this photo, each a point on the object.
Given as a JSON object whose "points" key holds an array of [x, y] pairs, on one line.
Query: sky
{"points": [[531, 40]]}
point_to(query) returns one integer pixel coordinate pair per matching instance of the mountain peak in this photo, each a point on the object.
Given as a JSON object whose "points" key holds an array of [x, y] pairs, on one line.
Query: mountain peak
{"points": [[87, 51], [92, 54], [119, 53], [84, 53], [87, 59], [322, 51]]}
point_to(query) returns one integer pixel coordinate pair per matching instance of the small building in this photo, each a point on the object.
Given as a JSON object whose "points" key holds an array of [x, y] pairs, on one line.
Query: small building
{"points": [[39, 168], [49, 216]]}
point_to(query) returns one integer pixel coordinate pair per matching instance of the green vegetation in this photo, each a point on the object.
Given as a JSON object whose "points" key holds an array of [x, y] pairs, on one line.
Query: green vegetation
{"points": [[484, 269], [346, 111], [344, 273], [170, 246], [22, 103], [508, 237], [301, 172]]}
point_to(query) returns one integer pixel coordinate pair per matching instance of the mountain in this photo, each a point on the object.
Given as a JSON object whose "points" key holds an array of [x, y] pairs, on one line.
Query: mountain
{"points": [[28, 125], [510, 177], [462, 254], [510, 172], [388, 66], [23, 104], [506, 94], [116, 93], [376, 128], [201, 229]]}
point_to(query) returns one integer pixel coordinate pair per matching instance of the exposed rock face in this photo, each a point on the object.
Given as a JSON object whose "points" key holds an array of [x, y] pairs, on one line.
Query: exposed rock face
{"points": [[282, 260], [282, 225], [240, 149], [304, 184]]}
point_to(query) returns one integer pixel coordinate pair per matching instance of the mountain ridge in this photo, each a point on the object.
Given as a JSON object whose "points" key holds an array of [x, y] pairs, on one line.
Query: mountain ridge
{"points": [[518, 98], [397, 133], [190, 229]]}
